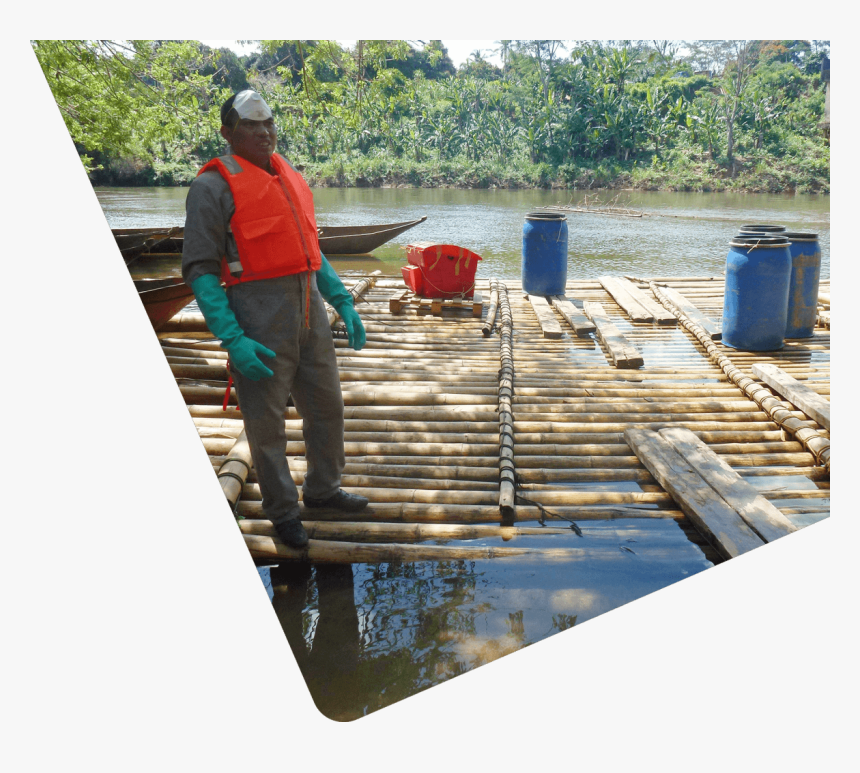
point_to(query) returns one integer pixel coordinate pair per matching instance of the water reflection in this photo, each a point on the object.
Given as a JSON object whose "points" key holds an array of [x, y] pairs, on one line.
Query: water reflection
{"points": [[369, 635]]}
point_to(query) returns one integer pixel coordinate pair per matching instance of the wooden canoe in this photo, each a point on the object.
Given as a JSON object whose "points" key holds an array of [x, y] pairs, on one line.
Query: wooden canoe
{"points": [[133, 242], [137, 243], [360, 239], [163, 298]]}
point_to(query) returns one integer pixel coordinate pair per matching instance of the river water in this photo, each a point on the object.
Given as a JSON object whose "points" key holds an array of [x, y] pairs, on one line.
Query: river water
{"points": [[368, 635], [686, 234]]}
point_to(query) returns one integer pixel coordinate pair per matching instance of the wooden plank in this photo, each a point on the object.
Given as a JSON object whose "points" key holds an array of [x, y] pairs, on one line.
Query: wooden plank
{"points": [[706, 323], [548, 322], [662, 315], [764, 518], [622, 353], [581, 325], [635, 310], [811, 403], [709, 512]]}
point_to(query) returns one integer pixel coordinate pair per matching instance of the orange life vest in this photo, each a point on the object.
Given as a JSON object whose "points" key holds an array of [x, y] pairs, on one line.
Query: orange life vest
{"points": [[274, 224]]}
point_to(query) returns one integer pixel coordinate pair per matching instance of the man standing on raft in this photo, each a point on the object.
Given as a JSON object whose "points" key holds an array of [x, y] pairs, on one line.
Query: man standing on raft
{"points": [[250, 223]]}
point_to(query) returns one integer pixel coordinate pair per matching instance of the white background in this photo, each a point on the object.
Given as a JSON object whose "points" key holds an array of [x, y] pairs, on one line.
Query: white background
{"points": [[136, 632]]}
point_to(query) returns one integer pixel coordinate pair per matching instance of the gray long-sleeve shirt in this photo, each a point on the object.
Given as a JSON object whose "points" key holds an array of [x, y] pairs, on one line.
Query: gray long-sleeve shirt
{"points": [[209, 207]]}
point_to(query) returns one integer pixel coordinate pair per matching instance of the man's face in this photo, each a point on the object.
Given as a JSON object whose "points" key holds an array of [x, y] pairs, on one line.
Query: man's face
{"points": [[254, 141]]}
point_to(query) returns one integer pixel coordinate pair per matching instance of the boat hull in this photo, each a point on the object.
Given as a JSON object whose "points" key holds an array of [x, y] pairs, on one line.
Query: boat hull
{"points": [[163, 298]]}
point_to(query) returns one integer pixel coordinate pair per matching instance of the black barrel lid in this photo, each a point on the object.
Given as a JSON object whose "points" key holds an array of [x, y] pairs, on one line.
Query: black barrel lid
{"points": [[539, 214], [763, 228], [797, 236], [759, 241]]}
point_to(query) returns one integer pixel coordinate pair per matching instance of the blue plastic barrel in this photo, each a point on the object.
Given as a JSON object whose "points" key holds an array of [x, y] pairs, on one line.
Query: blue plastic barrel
{"points": [[544, 253], [755, 307], [803, 289]]}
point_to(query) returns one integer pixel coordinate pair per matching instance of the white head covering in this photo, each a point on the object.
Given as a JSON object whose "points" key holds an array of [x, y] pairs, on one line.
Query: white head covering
{"points": [[251, 106]]}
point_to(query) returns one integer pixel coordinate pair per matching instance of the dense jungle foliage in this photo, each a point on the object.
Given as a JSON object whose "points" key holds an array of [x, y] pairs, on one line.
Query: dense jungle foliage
{"points": [[669, 115]]}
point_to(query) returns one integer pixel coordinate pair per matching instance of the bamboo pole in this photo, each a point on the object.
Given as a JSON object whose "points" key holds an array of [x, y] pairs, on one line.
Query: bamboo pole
{"points": [[526, 453], [357, 290], [526, 432], [490, 320], [356, 531], [319, 551], [233, 474], [543, 422], [251, 492], [405, 512]]}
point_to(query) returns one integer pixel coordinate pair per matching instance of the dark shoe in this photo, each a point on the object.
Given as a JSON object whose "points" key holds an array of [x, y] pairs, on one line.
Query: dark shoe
{"points": [[351, 503], [292, 533]]}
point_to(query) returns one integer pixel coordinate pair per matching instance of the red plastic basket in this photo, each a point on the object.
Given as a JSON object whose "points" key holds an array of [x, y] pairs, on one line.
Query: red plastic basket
{"points": [[440, 270]]}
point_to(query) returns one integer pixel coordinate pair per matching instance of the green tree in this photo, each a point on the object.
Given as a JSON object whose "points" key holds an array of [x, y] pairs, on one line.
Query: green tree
{"points": [[732, 89], [131, 97]]}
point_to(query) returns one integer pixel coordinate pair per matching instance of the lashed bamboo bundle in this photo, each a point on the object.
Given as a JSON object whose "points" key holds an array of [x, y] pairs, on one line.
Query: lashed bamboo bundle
{"points": [[507, 466], [814, 441]]}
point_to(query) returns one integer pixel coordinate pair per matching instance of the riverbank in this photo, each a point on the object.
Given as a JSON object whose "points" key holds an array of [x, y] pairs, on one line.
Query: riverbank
{"points": [[801, 169], [802, 166]]}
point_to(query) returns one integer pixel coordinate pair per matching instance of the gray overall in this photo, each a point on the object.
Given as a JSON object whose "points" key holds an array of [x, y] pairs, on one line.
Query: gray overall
{"points": [[272, 312]]}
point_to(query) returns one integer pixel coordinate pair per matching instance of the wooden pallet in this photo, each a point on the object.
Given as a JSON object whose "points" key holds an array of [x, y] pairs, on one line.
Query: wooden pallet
{"points": [[406, 298]]}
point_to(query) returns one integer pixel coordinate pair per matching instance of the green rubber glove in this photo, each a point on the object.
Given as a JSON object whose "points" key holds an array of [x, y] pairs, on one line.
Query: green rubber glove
{"points": [[244, 352], [354, 329], [332, 289]]}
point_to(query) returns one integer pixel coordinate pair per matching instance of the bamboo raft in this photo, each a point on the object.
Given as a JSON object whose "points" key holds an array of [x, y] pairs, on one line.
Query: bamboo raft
{"points": [[463, 429]]}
